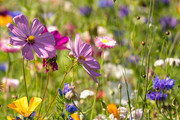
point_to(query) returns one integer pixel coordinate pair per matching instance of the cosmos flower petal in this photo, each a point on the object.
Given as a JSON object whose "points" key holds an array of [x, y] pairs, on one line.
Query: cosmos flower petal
{"points": [[27, 52], [34, 102], [92, 63], [17, 41], [50, 49], [85, 50], [77, 44], [47, 38], [72, 48], [13, 29], [22, 23], [40, 51], [36, 27]]}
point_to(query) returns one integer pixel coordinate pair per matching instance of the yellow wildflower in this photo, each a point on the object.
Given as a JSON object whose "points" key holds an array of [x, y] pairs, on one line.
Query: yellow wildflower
{"points": [[21, 105], [112, 109]]}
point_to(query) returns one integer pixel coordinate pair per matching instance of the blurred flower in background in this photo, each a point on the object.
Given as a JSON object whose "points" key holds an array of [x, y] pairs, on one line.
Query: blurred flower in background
{"points": [[104, 42], [105, 3], [3, 67], [86, 93], [123, 11], [5, 18], [9, 82], [168, 22], [60, 41], [136, 114], [85, 10], [5, 46]]}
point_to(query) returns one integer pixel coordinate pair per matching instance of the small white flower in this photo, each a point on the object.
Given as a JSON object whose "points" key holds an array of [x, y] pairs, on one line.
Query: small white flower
{"points": [[123, 112], [101, 30], [136, 113], [173, 61], [111, 117], [159, 62], [86, 93], [100, 117]]}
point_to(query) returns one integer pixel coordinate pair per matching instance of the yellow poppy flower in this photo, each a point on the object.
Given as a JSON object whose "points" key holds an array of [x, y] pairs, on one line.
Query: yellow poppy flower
{"points": [[10, 118], [75, 116], [21, 105], [112, 109], [4, 20]]}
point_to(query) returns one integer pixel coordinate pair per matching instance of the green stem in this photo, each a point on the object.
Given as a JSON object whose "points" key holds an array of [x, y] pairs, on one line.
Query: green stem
{"points": [[25, 80], [94, 104], [129, 100], [43, 95], [57, 90]]}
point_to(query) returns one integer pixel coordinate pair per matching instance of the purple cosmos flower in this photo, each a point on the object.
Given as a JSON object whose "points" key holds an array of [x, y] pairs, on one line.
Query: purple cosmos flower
{"points": [[168, 22], [83, 54], [42, 44], [70, 108], [60, 41], [156, 95], [123, 11], [105, 3], [86, 10]]}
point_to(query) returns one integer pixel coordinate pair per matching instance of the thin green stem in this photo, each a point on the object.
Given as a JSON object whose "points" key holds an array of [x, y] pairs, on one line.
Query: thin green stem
{"points": [[43, 95], [25, 80], [57, 90], [129, 100], [94, 104]]}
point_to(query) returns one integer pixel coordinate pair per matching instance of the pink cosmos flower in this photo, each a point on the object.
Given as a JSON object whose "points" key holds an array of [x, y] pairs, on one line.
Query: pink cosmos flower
{"points": [[6, 47], [42, 44], [83, 54], [60, 41], [104, 42]]}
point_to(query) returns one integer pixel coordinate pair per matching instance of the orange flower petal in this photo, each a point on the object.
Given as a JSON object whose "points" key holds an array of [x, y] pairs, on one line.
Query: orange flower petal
{"points": [[75, 116], [112, 109]]}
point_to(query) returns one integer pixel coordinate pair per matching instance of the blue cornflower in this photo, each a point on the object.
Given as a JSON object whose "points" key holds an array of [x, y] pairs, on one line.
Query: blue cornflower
{"points": [[70, 108], [3, 67], [105, 3], [123, 11], [14, 13], [32, 115], [156, 95], [60, 92], [66, 88], [70, 118], [169, 83], [18, 118], [86, 10], [62, 115], [168, 22], [163, 84]]}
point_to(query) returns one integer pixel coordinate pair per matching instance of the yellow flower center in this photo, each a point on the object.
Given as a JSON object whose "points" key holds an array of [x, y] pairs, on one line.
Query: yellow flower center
{"points": [[30, 39], [104, 40], [82, 58]]}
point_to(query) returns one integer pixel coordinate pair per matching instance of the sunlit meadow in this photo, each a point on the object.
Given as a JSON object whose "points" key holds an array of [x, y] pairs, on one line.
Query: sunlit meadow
{"points": [[89, 60]]}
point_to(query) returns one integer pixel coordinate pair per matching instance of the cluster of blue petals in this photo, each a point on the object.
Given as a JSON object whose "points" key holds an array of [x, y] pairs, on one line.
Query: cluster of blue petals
{"points": [[161, 86]]}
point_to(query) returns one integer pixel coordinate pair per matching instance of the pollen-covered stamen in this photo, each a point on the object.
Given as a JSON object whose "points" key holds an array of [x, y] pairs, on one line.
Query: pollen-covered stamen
{"points": [[30, 39], [82, 58], [104, 40]]}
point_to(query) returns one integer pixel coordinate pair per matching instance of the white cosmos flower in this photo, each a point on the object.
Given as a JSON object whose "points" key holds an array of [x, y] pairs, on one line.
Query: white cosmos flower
{"points": [[173, 61]]}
